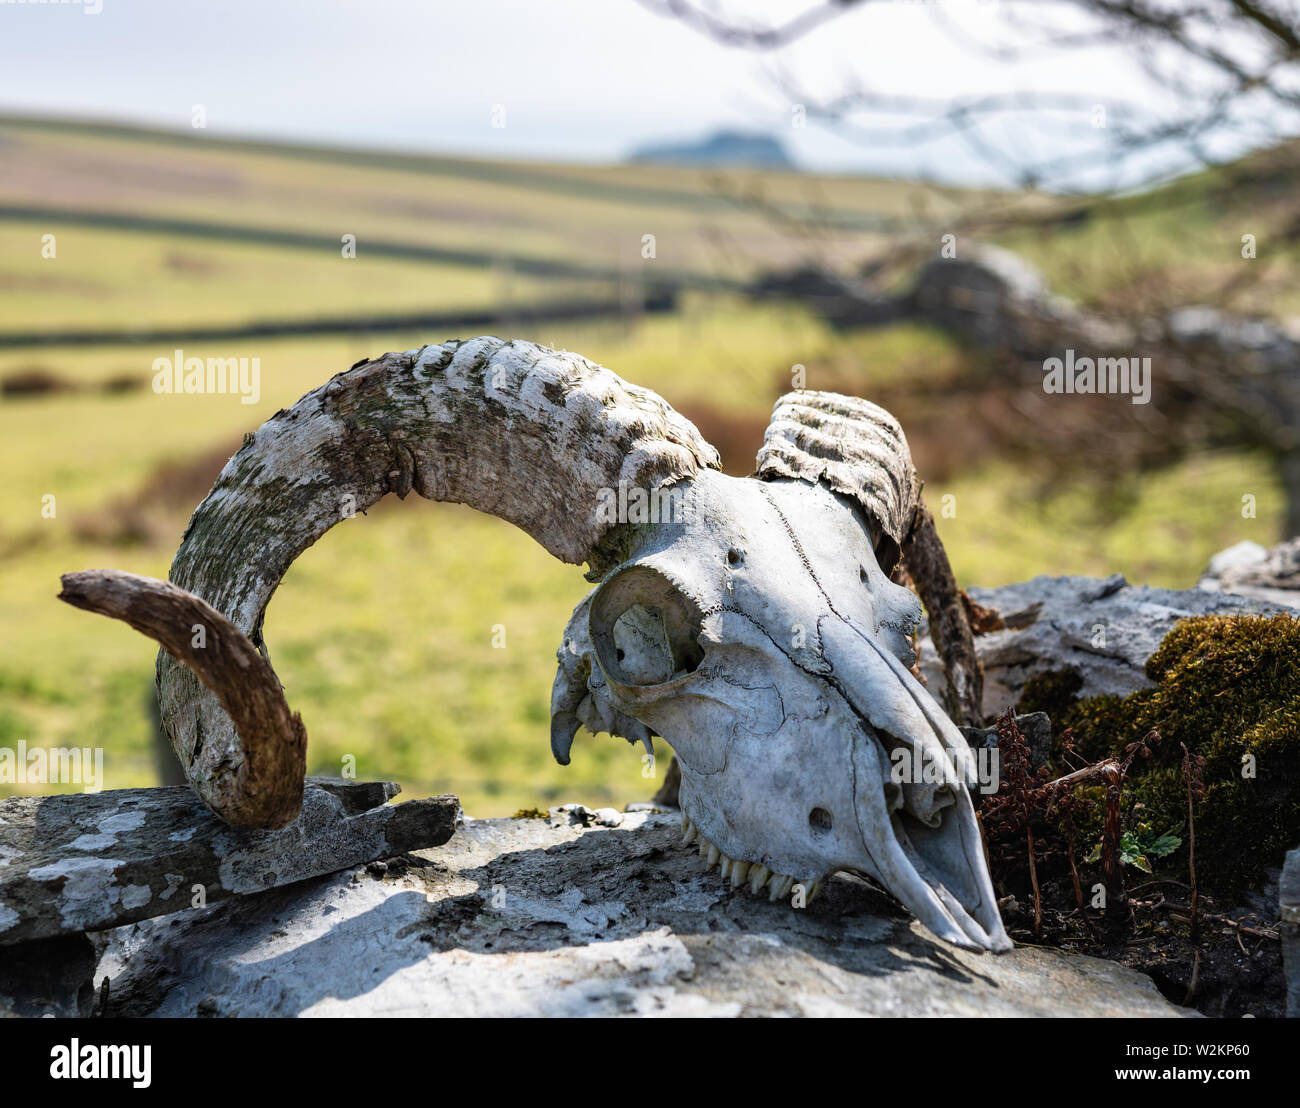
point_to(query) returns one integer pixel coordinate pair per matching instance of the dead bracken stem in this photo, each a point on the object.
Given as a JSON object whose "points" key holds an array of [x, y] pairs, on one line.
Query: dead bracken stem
{"points": [[1191, 775], [1033, 880], [1196, 977], [1111, 839], [1079, 776], [1178, 911], [984, 840], [1074, 874]]}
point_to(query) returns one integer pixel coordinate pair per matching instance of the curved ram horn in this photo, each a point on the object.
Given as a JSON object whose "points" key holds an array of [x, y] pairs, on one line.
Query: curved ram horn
{"points": [[520, 431], [854, 448], [273, 739], [858, 450]]}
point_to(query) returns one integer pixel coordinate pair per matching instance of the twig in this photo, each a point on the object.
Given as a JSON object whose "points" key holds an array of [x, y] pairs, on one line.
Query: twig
{"points": [[1157, 881], [1196, 978], [1111, 838], [1182, 912], [1074, 870], [1033, 880], [1081, 775]]}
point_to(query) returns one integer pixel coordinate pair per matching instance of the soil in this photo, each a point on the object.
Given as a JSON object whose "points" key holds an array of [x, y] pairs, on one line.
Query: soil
{"points": [[1223, 971]]}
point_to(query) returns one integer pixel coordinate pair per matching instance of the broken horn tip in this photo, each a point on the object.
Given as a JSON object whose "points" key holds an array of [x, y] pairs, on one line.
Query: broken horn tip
{"points": [[70, 593], [70, 580]]}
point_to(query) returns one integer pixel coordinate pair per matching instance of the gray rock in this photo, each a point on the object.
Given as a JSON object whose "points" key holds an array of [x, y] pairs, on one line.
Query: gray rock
{"points": [[997, 299], [1248, 569], [548, 917], [1104, 628], [1289, 905], [580, 815], [1265, 348], [1035, 727], [1245, 553], [89, 861]]}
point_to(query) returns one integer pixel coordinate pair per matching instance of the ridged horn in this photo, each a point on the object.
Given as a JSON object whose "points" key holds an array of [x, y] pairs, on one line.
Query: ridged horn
{"points": [[521, 431], [854, 448]]}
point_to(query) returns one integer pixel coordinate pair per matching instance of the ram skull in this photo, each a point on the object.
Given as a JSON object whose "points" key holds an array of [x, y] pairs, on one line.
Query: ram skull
{"points": [[750, 622]]}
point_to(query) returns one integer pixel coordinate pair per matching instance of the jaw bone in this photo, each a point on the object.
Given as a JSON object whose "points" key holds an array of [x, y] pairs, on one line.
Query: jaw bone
{"points": [[740, 872]]}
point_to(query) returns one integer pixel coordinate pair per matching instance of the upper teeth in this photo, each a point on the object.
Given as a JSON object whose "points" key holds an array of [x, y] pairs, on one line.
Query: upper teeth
{"points": [[742, 872]]}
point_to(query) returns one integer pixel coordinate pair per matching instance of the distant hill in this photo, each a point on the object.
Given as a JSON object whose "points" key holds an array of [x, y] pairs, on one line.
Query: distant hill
{"points": [[737, 148]]}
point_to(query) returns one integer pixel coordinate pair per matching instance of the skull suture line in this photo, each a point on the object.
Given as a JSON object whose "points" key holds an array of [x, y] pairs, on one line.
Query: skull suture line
{"points": [[754, 628]]}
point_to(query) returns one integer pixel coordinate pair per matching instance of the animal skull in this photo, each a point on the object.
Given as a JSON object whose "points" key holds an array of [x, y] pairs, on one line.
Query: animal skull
{"points": [[753, 625], [759, 636]]}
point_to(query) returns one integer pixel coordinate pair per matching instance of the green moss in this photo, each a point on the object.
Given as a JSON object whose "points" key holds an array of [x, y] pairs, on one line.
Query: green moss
{"points": [[1053, 692], [1229, 689]]}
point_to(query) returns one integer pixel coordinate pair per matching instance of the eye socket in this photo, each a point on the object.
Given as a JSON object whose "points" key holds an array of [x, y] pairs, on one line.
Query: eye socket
{"points": [[734, 557], [862, 574], [644, 630], [819, 819]]}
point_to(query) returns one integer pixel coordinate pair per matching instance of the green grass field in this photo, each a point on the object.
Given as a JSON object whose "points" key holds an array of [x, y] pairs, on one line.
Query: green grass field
{"points": [[382, 633]]}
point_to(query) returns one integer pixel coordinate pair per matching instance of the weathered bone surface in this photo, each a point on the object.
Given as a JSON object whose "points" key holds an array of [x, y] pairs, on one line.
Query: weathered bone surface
{"points": [[762, 640], [76, 862], [751, 625]]}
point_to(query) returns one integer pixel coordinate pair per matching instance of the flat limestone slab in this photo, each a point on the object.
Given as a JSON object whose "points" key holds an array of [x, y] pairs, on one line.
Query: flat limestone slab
{"points": [[90, 861], [568, 917], [1104, 628]]}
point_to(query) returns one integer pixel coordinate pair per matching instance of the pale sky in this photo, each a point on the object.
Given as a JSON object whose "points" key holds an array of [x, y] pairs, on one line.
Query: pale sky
{"points": [[579, 79]]}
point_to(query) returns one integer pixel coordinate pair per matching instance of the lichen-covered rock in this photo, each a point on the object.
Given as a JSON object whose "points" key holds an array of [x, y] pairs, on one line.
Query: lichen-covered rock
{"points": [[84, 862], [530, 917]]}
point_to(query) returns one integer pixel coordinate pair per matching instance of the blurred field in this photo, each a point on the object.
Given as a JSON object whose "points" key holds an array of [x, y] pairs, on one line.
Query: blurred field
{"points": [[382, 632]]}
